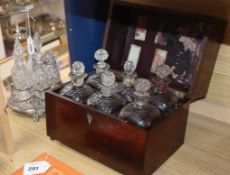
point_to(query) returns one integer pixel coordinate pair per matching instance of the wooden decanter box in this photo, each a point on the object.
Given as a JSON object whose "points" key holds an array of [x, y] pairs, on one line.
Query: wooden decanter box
{"points": [[149, 37]]}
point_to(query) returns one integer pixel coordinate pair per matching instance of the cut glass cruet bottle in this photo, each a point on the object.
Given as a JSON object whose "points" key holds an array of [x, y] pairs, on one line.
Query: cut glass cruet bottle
{"points": [[40, 85], [101, 66], [126, 88], [107, 100], [40, 80], [140, 112], [20, 76], [21, 88], [164, 99], [77, 89], [29, 78], [51, 68]]}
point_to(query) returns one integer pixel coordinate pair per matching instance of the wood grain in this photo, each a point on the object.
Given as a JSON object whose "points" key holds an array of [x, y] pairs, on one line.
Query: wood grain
{"points": [[206, 150], [108, 139], [6, 141], [220, 82]]}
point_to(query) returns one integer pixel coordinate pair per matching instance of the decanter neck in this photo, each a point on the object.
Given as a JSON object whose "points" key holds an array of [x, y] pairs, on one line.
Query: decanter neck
{"points": [[128, 79], [78, 80], [101, 67], [161, 85], [108, 91], [141, 99]]}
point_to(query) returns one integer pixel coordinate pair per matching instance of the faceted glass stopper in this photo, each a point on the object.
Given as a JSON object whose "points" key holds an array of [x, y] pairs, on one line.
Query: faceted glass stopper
{"points": [[129, 67], [142, 85], [49, 58], [101, 55], [108, 79], [78, 68], [163, 71], [18, 49], [38, 58], [37, 42]]}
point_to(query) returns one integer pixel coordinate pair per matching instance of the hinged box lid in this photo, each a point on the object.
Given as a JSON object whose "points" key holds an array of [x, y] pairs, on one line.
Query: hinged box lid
{"points": [[150, 36]]}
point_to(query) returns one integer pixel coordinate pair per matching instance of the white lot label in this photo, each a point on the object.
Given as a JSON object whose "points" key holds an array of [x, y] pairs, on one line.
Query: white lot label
{"points": [[36, 168]]}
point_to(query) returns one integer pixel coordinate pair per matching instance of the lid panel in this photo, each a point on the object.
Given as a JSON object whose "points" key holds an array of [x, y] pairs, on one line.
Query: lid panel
{"points": [[152, 37]]}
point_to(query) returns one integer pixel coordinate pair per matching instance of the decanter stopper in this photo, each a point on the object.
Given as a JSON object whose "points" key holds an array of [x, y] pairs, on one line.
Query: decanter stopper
{"points": [[129, 67], [163, 71], [77, 73], [108, 81], [129, 74], [162, 80], [37, 42], [142, 85], [78, 68], [108, 78], [101, 55], [141, 94]]}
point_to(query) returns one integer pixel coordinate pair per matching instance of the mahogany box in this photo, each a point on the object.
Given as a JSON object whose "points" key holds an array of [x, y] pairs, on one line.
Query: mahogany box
{"points": [[150, 36]]}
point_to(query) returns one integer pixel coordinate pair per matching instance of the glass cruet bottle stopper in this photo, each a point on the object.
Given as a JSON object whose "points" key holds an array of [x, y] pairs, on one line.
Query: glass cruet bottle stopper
{"points": [[18, 49], [101, 55], [18, 53], [77, 73], [141, 95], [109, 83], [37, 42], [129, 74], [162, 80]]}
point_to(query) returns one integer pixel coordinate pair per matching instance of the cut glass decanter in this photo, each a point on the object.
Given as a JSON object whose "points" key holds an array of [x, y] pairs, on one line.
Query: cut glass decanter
{"points": [[126, 88], [164, 99], [106, 100], [101, 66], [76, 89], [140, 112]]}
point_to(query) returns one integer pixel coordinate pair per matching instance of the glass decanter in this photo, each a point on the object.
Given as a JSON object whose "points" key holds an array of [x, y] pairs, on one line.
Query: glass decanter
{"points": [[164, 99], [101, 66], [107, 100], [140, 112], [76, 89], [126, 88], [51, 68]]}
